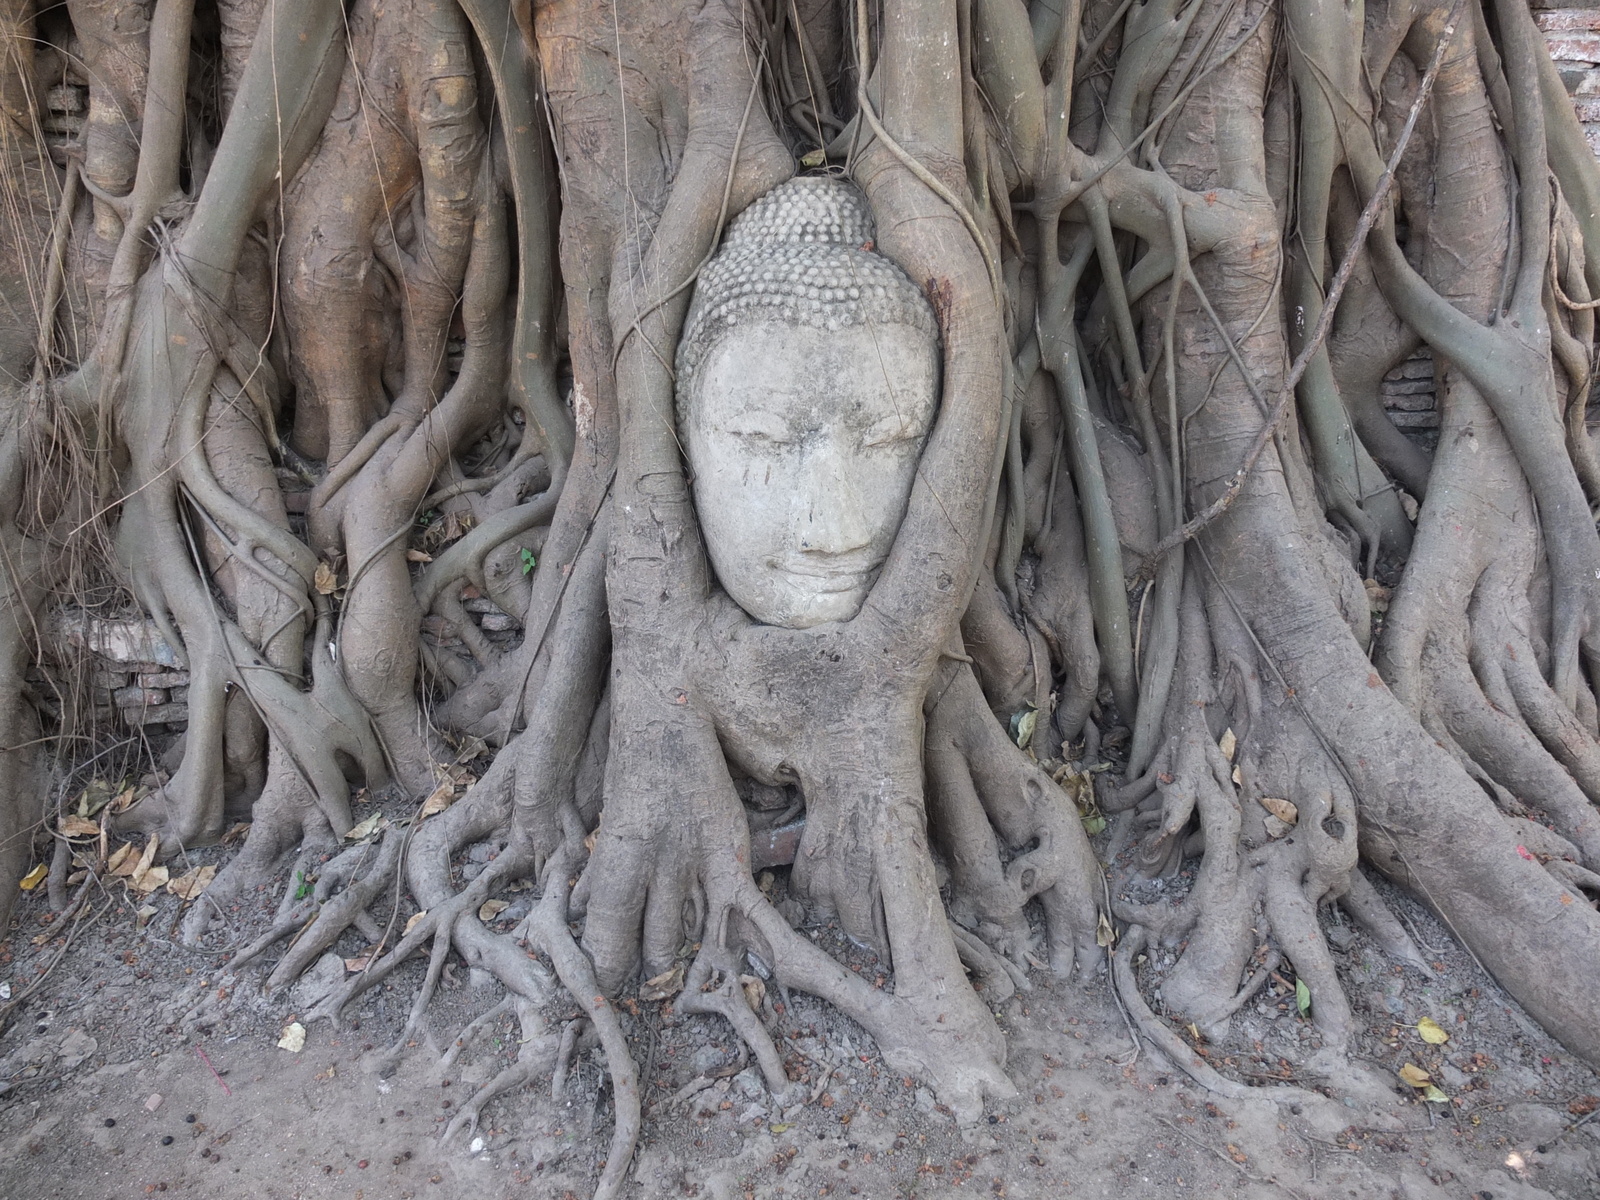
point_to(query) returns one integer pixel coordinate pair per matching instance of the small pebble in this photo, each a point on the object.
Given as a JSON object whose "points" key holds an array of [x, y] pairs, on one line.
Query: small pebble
{"points": [[167, 1141], [110, 1121], [189, 1119]]}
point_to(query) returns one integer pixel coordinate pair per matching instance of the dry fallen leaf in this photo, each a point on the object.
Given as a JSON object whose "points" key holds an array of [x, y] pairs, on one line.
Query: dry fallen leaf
{"points": [[1282, 809], [441, 798], [1228, 743], [1415, 1075], [360, 961], [144, 877], [324, 580], [144, 916], [145, 882], [1434, 1096], [190, 884], [1431, 1032], [418, 556], [664, 986], [73, 825], [490, 909], [33, 878], [1105, 935], [122, 860], [372, 823], [411, 924], [294, 1038], [755, 991]]}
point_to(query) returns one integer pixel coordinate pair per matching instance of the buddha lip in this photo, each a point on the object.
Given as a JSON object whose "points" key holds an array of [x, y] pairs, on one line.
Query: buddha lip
{"points": [[831, 581]]}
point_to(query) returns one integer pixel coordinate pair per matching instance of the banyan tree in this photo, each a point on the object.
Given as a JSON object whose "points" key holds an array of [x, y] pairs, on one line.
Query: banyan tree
{"points": [[931, 454]]}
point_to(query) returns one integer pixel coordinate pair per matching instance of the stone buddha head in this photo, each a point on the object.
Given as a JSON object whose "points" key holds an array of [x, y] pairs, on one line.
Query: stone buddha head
{"points": [[807, 381]]}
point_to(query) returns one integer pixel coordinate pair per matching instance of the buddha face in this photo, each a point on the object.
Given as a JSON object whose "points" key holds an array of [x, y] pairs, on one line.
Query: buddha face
{"points": [[803, 444]]}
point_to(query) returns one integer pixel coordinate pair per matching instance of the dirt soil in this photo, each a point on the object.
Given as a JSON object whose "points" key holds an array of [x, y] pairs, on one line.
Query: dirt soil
{"points": [[138, 1067]]}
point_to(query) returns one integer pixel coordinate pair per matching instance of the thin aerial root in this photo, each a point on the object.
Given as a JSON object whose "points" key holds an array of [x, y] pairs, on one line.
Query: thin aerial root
{"points": [[727, 999], [536, 1048], [998, 976], [509, 1079], [437, 957], [296, 918], [571, 1032], [1252, 985], [548, 922], [459, 1043], [1369, 911], [339, 912], [1169, 1043]]}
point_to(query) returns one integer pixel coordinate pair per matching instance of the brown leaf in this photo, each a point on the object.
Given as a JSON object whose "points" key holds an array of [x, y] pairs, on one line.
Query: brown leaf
{"points": [[664, 986], [190, 884], [324, 580], [411, 924], [1282, 809], [149, 880], [418, 556], [1414, 1075], [33, 878], [1105, 935], [122, 860], [142, 869], [76, 826], [441, 798], [490, 909], [360, 961], [1228, 743], [755, 991]]}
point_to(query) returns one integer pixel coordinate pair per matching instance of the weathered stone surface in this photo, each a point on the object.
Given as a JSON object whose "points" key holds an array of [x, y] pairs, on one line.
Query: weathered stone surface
{"points": [[1576, 46], [164, 679], [133, 697], [128, 640], [807, 382], [1568, 20], [156, 714]]}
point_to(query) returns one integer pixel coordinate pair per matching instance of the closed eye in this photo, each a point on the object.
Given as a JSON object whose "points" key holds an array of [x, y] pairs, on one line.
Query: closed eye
{"points": [[762, 432]]}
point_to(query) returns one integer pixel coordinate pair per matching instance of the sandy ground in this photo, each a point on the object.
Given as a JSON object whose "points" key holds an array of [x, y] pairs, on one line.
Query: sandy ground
{"points": [[139, 1067]]}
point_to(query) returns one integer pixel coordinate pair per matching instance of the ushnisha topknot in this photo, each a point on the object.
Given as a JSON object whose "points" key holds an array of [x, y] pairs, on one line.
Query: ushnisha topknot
{"points": [[799, 255]]}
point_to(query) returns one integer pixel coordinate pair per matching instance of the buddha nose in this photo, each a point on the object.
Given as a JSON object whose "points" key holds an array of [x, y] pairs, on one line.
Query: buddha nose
{"points": [[832, 518]]}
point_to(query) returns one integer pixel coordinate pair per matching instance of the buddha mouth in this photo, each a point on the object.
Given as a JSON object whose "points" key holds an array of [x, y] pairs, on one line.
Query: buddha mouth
{"points": [[839, 579]]}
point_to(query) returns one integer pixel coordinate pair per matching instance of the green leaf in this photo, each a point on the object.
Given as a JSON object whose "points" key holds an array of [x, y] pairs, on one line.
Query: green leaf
{"points": [[1095, 825], [302, 886], [529, 561], [1302, 997], [814, 158]]}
